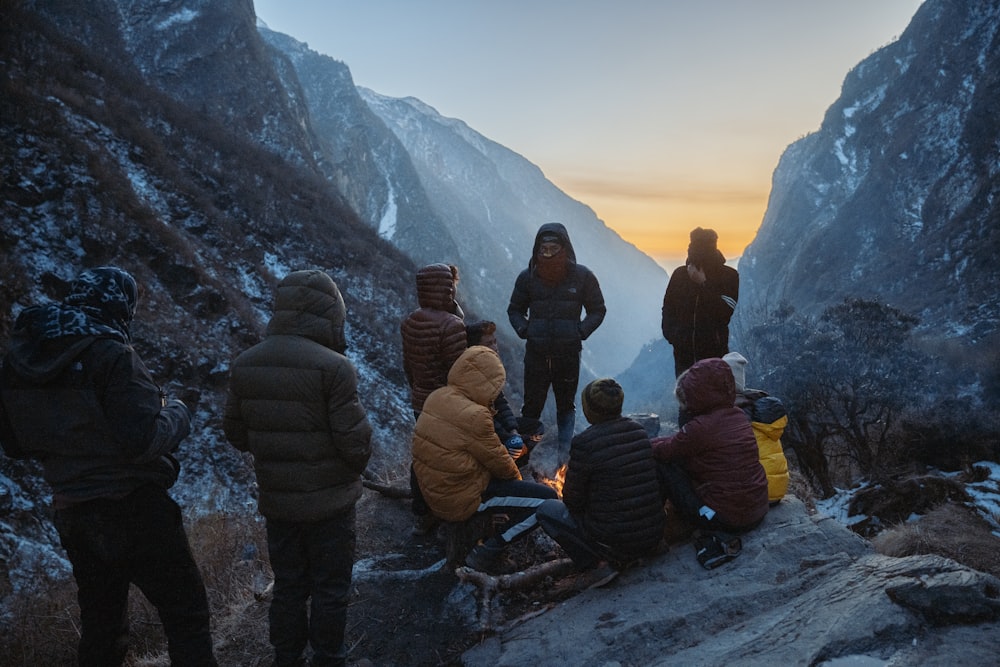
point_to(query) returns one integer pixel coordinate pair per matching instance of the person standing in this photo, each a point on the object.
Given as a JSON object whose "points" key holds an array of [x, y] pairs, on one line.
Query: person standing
{"points": [[545, 308], [611, 509], [77, 397], [434, 336], [293, 404], [699, 302]]}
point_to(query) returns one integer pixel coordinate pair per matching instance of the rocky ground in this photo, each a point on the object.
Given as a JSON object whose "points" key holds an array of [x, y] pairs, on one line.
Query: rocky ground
{"points": [[411, 609], [805, 590]]}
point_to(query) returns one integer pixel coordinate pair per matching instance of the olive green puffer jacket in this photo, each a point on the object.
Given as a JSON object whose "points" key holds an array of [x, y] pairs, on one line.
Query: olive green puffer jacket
{"points": [[293, 404]]}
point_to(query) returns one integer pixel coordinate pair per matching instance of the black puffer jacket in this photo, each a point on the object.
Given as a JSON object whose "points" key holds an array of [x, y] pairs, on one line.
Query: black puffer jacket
{"points": [[78, 398], [548, 316], [611, 487], [695, 318]]}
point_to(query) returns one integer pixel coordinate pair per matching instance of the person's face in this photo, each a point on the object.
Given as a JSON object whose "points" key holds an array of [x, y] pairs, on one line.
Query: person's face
{"points": [[549, 249], [696, 274], [489, 340]]}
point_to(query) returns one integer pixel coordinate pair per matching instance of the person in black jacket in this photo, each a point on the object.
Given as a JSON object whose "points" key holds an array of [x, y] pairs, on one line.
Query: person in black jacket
{"points": [[75, 395], [611, 508], [699, 302], [545, 308]]}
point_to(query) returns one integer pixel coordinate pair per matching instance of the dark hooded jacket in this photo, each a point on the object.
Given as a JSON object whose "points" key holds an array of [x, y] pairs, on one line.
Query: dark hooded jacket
{"points": [[695, 318], [433, 335], [293, 403], [77, 397], [611, 487], [717, 447], [548, 316]]}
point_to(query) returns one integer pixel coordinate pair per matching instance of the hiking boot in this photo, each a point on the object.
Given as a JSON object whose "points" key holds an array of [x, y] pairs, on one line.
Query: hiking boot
{"points": [[713, 550], [425, 524], [485, 558]]}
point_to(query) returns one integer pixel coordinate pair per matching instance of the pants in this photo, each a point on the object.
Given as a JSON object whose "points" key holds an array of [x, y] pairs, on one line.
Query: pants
{"points": [[562, 373], [675, 486], [559, 524], [542, 371], [137, 540], [418, 505], [517, 498], [312, 564]]}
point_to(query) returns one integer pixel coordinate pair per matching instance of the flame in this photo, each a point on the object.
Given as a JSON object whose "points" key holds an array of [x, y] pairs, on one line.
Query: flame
{"points": [[557, 481]]}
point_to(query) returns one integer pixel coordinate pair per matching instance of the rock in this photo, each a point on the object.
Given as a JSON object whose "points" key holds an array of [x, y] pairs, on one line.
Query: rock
{"points": [[804, 590]]}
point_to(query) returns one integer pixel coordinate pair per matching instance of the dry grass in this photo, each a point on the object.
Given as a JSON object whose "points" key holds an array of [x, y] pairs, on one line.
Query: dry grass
{"points": [[951, 530], [42, 625]]}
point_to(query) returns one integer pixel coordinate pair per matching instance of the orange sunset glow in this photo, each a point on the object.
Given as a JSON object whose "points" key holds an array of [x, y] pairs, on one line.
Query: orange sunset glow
{"points": [[659, 116]]}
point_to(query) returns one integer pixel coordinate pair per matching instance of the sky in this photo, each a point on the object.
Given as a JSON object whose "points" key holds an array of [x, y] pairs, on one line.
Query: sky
{"points": [[661, 115]]}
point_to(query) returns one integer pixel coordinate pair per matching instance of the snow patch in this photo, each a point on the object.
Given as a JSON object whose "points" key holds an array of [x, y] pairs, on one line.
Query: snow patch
{"points": [[183, 16]]}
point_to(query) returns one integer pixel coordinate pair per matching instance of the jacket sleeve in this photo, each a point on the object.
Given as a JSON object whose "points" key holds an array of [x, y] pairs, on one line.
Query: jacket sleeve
{"points": [[517, 309], [574, 492], [487, 449], [593, 303], [453, 342], [670, 313], [504, 421], [723, 289], [350, 430], [143, 424]]}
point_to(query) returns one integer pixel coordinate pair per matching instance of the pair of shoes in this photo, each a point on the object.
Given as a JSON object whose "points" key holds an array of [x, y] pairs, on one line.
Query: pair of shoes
{"points": [[485, 557], [425, 524], [713, 550]]}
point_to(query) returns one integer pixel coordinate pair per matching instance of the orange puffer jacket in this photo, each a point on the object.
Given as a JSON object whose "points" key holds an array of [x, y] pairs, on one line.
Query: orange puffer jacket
{"points": [[456, 452]]}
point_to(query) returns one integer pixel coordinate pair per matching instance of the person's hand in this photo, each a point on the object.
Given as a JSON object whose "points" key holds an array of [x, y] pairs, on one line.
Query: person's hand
{"points": [[696, 275], [514, 445]]}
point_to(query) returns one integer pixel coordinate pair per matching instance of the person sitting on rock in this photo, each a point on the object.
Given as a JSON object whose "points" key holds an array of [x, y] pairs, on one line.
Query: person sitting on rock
{"points": [[460, 464], [768, 418], [710, 470], [611, 508]]}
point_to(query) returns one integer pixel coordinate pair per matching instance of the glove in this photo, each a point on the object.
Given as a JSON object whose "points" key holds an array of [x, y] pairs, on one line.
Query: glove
{"points": [[514, 445]]}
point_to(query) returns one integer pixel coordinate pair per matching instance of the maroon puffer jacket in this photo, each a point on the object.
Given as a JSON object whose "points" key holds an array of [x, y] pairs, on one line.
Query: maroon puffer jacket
{"points": [[717, 446], [433, 335]]}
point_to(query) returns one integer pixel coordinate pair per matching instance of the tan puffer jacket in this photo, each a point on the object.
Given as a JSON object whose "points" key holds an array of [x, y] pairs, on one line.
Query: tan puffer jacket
{"points": [[293, 404], [456, 452], [433, 335]]}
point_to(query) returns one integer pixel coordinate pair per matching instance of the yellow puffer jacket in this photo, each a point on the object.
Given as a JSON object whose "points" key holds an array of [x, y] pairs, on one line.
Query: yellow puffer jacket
{"points": [[769, 419], [456, 452]]}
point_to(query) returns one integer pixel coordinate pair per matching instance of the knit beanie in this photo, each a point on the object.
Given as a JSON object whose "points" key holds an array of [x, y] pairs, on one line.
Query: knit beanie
{"points": [[703, 249], [602, 400], [738, 363]]}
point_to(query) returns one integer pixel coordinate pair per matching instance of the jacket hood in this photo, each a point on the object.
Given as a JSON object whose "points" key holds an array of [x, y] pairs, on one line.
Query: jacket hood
{"points": [[478, 374], [559, 230], [309, 304], [436, 287], [708, 385]]}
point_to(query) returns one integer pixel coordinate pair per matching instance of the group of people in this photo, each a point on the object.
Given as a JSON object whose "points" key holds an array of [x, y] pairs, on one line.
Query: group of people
{"points": [[75, 395], [466, 449]]}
